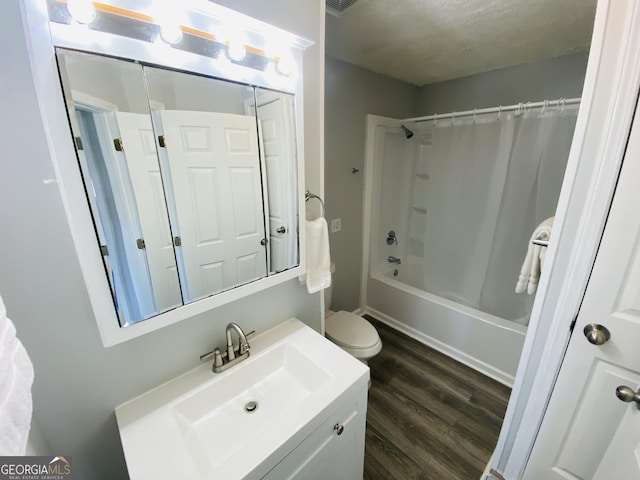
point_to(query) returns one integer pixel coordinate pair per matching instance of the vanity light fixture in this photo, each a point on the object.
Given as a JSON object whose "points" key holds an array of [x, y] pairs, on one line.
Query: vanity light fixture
{"points": [[82, 11], [172, 27]]}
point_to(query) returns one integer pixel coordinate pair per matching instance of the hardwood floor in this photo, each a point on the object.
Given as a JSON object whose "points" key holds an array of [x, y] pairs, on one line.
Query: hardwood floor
{"points": [[429, 417]]}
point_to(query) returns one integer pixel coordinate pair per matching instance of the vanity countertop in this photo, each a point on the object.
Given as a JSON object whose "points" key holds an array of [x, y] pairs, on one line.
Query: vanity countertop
{"points": [[196, 425]]}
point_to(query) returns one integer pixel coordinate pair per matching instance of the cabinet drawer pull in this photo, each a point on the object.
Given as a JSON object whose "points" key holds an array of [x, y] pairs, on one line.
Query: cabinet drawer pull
{"points": [[338, 428]]}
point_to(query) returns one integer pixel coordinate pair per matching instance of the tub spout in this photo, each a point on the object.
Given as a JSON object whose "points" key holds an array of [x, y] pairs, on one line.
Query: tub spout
{"points": [[396, 260]]}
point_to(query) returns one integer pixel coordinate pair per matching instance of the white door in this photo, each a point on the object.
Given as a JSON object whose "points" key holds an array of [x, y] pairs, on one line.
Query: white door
{"points": [[280, 158], [215, 172], [587, 432], [136, 133]]}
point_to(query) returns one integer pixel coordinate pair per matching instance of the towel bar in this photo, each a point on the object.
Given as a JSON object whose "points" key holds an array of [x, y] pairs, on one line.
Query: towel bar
{"points": [[542, 240], [308, 196]]}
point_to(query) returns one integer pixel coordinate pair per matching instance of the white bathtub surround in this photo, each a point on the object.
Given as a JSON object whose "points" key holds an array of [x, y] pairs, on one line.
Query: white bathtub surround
{"points": [[534, 259], [16, 378], [318, 255], [463, 196]]}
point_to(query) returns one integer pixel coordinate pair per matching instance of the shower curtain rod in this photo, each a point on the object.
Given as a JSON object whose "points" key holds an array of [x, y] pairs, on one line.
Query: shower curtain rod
{"points": [[479, 111]]}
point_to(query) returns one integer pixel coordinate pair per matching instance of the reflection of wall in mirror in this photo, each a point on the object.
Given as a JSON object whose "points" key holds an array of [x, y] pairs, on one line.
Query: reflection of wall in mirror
{"points": [[101, 78], [199, 94]]}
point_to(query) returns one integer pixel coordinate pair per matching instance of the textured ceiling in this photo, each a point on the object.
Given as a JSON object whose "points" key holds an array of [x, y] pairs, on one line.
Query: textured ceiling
{"points": [[426, 41]]}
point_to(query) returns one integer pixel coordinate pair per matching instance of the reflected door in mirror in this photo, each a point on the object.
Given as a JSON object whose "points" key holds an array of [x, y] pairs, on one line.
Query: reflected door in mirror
{"points": [[214, 171], [277, 131]]}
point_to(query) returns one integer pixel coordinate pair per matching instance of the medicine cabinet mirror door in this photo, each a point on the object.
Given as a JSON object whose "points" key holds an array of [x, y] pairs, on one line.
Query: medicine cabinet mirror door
{"points": [[276, 127], [213, 179], [111, 124]]}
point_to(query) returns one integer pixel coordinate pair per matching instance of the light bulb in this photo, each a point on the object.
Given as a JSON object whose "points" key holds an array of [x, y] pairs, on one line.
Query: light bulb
{"points": [[286, 65], [170, 32], [82, 11], [236, 51]]}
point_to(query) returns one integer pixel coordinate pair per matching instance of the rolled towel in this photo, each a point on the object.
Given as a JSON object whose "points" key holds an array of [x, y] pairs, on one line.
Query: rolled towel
{"points": [[318, 256], [15, 390], [534, 259]]}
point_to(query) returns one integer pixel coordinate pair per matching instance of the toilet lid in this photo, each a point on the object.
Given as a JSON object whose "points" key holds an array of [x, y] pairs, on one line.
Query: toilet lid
{"points": [[350, 330]]}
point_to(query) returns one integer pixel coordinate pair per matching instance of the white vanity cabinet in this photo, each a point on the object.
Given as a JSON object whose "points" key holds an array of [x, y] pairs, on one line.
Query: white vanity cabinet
{"points": [[334, 450], [295, 408]]}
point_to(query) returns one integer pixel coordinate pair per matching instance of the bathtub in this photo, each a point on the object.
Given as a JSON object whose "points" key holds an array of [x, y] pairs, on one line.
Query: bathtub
{"points": [[484, 342]]}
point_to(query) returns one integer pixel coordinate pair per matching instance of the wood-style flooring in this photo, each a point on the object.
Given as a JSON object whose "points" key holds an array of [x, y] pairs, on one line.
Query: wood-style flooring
{"points": [[429, 417]]}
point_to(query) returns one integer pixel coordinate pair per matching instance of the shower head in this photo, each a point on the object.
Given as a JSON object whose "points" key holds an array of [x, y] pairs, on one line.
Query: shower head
{"points": [[407, 133]]}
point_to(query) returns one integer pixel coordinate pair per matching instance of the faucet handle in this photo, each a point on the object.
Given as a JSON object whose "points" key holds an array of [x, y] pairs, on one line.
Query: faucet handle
{"points": [[216, 354], [217, 358], [244, 347]]}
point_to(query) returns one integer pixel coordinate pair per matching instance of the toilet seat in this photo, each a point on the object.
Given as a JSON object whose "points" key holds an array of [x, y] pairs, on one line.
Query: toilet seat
{"points": [[353, 334]]}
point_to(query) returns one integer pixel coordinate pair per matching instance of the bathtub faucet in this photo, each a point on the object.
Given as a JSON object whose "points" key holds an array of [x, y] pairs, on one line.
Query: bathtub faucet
{"points": [[391, 259]]}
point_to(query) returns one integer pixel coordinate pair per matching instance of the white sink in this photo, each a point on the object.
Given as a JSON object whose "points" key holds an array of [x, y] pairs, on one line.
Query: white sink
{"points": [[216, 425], [197, 425]]}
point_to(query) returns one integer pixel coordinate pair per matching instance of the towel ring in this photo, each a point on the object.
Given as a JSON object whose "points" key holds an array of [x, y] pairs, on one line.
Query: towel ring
{"points": [[308, 196]]}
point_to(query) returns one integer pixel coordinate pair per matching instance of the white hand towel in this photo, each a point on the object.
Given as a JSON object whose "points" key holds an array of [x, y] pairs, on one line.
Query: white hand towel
{"points": [[534, 259], [318, 256], [15, 390]]}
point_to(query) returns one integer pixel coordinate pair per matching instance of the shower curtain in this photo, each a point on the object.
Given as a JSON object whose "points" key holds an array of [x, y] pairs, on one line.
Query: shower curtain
{"points": [[492, 179]]}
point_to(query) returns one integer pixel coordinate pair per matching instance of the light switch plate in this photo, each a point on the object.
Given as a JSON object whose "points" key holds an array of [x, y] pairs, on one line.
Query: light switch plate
{"points": [[336, 225]]}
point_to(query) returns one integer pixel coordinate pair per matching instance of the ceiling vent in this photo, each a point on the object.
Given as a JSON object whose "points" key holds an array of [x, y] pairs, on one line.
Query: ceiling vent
{"points": [[339, 7]]}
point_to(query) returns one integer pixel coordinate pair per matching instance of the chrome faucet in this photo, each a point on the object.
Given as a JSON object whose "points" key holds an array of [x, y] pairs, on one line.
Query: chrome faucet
{"points": [[231, 355], [391, 259], [243, 345]]}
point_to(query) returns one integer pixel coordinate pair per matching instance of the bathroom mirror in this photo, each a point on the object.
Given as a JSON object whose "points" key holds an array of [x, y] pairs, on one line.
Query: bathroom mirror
{"points": [[191, 180]]}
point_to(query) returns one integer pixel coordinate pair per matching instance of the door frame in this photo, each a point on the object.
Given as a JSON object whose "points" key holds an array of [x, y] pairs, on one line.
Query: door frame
{"points": [[610, 91]]}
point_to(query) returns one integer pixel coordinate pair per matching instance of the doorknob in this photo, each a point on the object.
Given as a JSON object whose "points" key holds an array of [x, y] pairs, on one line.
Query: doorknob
{"points": [[626, 394], [281, 230], [597, 334]]}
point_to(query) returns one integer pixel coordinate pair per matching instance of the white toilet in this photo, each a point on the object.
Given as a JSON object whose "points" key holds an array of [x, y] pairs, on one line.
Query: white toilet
{"points": [[352, 333]]}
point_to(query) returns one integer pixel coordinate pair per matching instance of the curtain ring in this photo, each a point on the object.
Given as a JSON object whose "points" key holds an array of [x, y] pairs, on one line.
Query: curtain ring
{"points": [[499, 112], [545, 105], [453, 116], [475, 113], [435, 119]]}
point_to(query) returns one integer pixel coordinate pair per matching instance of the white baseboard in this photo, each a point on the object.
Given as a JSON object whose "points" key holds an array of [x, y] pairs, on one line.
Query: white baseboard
{"points": [[449, 351]]}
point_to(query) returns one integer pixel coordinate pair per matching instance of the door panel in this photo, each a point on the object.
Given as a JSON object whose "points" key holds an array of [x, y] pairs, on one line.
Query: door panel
{"points": [[587, 433], [279, 153], [214, 170], [144, 171]]}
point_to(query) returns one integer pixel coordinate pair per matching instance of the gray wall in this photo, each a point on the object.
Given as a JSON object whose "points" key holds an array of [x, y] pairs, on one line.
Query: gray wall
{"points": [[78, 382], [351, 93], [531, 82]]}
